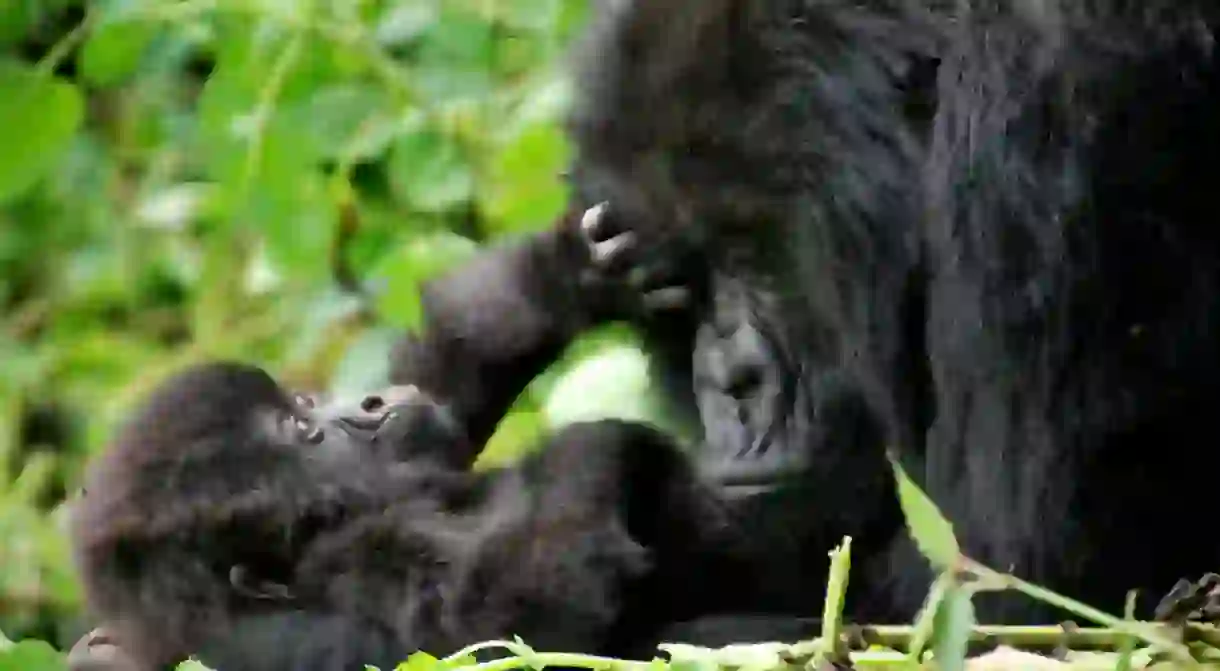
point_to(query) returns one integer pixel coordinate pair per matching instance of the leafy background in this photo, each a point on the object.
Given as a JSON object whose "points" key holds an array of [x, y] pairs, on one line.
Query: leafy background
{"points": [[261, 180]]}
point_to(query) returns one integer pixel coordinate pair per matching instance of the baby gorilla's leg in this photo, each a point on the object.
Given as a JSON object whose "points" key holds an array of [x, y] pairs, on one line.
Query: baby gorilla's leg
{"points": [[601, 539]]}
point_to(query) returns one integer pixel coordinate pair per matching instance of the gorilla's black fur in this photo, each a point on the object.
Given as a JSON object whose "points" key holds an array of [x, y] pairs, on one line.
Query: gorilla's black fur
{"points": [[979, 233]]}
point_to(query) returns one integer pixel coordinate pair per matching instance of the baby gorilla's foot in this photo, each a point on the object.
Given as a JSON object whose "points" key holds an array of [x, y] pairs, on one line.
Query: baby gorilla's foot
{"points": [[645, 279]]}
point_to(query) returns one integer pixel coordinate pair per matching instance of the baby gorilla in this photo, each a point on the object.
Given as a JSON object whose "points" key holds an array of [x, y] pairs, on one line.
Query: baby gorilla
{"points": [[233, 522]]}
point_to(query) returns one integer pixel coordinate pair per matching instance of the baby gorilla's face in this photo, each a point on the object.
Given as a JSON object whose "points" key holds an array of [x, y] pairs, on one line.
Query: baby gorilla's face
{"points": [[741, 388], [399, 423]]}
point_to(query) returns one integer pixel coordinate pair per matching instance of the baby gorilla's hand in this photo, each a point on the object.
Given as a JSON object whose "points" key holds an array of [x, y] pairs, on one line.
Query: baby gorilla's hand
{"points": [[641, 277]]}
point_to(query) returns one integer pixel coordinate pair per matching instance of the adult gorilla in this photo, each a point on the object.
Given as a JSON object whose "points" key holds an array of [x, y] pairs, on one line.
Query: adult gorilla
{"points": [[978, 233]]}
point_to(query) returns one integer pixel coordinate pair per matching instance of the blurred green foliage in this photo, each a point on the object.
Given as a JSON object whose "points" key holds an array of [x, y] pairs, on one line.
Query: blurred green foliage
{"points": [[183, 180]]}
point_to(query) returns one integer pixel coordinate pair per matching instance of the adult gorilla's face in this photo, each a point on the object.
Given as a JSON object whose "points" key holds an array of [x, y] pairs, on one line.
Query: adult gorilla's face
{"points": [[747, 392]]}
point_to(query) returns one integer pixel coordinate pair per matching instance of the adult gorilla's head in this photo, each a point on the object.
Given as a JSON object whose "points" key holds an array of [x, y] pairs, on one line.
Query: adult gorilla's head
{"points": [[696, 122]]}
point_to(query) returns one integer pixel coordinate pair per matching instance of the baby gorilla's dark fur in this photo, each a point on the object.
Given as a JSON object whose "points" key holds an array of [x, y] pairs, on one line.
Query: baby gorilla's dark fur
{"points": [[222, 524]]}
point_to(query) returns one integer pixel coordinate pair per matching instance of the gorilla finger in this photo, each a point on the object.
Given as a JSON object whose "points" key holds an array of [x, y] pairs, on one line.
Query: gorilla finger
{"points": [[249, 585], [648, 277], [614, 253], [593, 223], [668, 298]]}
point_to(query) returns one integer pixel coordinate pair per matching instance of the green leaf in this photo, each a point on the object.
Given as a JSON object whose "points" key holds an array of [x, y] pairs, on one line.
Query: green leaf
{"points": [[954, 621], [537, 15], [924, 627], [933, 534], [421, 661], [516, 434], [17, 19], [267, 166], [404, 22], [459, 36], [526, 192], [39, 115], [114, 51], [456, 57], [31, 655], [350, 121], [429, 172], [613, 382], [398, 276], [365, 363]]}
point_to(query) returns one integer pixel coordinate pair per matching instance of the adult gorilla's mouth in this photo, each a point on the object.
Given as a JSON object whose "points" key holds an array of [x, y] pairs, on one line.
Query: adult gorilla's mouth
{"points": [[762, 466]]}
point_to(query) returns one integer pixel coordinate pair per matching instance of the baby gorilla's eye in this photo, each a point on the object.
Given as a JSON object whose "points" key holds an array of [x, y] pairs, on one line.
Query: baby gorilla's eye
{"points": [[299, 428]]}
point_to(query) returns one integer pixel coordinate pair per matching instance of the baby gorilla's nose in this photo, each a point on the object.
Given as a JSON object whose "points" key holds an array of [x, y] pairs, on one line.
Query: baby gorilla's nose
{"points": [[403, 420]]}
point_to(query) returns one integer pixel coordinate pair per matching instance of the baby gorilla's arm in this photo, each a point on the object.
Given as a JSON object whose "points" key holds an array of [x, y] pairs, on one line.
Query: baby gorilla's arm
{"points": [[494, 324]]}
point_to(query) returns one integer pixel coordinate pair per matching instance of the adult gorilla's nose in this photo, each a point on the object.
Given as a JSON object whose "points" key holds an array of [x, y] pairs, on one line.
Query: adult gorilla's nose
{"points": [[738, 366]]}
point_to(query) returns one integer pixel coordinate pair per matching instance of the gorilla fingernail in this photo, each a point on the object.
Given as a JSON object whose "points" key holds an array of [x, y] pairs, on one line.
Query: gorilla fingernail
{"points": [[591, 220], [606, 252]]}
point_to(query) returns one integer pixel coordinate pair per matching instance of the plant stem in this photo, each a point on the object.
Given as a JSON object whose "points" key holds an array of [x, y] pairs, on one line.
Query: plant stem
{"points": [[1146, 632]]}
